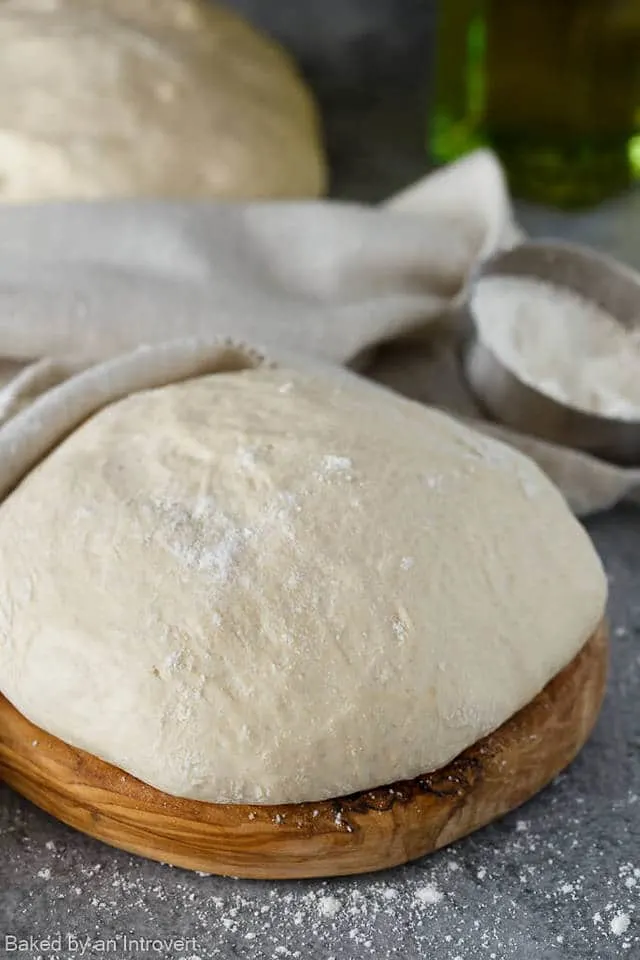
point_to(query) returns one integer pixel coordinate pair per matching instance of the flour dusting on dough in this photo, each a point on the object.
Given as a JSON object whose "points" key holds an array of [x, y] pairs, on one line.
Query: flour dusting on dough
{"points": [[203, 537], [332, 463]]}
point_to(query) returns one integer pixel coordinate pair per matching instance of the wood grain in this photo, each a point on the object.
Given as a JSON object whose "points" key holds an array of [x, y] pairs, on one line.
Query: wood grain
{"points": [[367, 831]]}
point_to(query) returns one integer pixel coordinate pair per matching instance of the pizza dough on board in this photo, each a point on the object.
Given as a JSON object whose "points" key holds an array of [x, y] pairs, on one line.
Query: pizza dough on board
{"points": [[164, 98], [271, 587]]}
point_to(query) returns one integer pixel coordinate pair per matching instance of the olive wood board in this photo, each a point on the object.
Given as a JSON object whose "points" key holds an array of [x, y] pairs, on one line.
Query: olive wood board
{"points": [[367, 831]]}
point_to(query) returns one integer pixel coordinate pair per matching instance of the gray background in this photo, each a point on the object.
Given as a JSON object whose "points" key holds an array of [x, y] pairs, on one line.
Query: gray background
{"points": [[369, 63], [559, 878]]}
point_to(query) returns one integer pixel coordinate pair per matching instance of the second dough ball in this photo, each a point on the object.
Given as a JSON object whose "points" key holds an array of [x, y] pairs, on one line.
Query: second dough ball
{"points": [[173, 98]]}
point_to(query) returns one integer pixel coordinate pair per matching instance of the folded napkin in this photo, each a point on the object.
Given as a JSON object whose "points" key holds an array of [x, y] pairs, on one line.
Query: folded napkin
{"points": [[101, 299]]}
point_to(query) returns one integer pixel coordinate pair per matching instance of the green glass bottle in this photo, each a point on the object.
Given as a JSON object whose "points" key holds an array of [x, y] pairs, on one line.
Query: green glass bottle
{"points": [[552, 85]]}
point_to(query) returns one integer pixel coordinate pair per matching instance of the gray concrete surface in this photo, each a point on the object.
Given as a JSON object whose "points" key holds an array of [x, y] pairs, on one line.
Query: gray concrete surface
{"points": [[560, 878]]}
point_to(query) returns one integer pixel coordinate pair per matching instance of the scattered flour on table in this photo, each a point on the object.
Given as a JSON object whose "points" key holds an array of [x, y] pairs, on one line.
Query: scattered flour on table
{"points": [[620, 923], [561, 343], [428, 894], [329, 906]]}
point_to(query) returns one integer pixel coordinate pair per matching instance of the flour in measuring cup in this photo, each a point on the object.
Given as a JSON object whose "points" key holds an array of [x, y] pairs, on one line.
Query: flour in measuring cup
{"points": [[562, 344]]}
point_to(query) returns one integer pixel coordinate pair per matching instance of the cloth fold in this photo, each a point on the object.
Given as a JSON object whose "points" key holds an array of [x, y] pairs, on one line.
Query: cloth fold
{"points": [[101, 299]]}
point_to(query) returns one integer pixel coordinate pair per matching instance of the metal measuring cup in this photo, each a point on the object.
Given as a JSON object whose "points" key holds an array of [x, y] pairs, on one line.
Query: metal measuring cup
{"points": [[506, 398]]}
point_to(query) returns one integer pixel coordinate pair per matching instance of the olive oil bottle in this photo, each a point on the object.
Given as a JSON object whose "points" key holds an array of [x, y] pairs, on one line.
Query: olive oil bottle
{"points": [[552, 85]]}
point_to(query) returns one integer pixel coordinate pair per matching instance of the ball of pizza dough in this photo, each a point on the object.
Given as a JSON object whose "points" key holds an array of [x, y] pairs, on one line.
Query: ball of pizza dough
{"points": [[149, 98], [270, 587]]}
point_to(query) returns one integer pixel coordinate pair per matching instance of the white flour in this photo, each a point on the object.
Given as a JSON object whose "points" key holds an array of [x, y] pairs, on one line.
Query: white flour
{"points": [[562, 344]]}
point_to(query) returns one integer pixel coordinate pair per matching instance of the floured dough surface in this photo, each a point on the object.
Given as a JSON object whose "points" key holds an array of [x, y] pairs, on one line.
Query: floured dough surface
{"points": [[270, 587]]}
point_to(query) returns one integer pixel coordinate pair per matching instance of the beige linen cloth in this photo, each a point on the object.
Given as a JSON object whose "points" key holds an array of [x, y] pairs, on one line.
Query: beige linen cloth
{"points": [[98, 300]]}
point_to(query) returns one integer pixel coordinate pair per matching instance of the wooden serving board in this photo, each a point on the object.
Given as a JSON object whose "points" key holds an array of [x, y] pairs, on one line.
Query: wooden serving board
{"points": [[356, 834]]}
